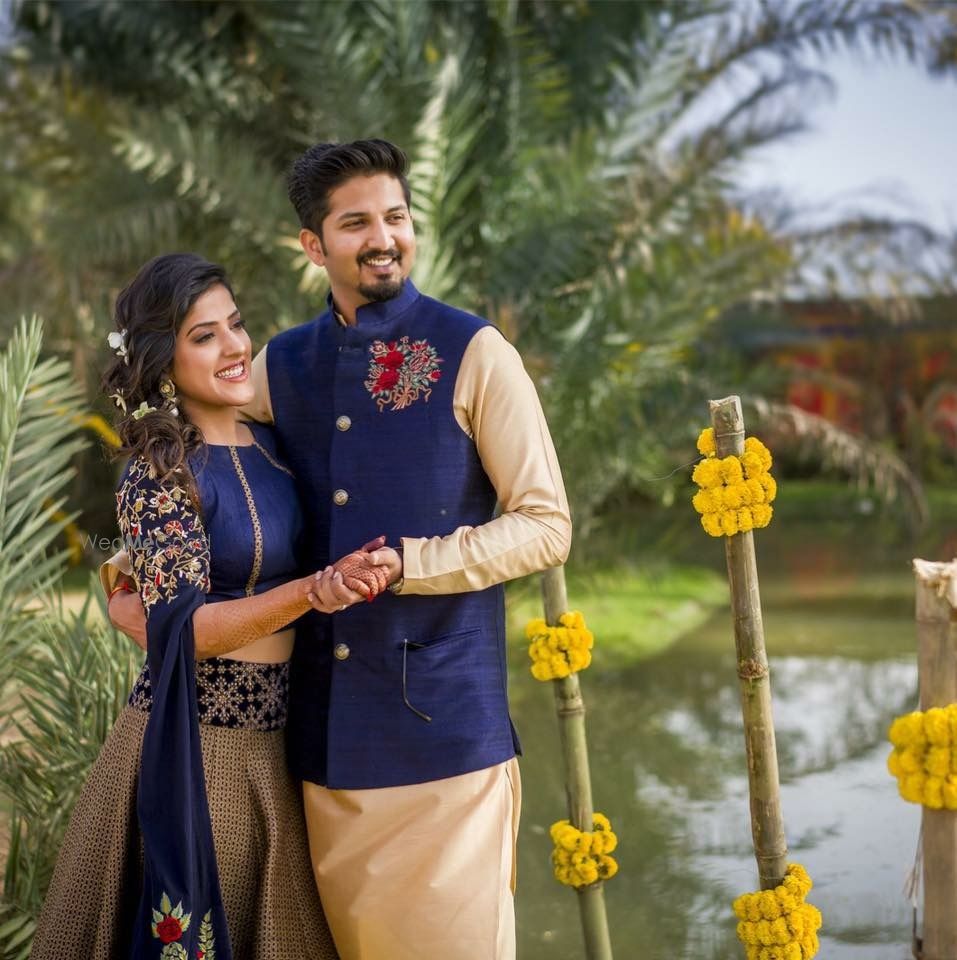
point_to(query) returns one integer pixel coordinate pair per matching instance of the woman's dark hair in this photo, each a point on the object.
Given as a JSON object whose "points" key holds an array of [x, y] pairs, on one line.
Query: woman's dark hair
{"points": [[149, 314], [325, 166]]}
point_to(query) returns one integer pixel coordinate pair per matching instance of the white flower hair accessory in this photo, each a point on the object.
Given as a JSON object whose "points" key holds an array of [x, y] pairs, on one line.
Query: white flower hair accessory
{"points": [[117, 341], [142, 410]]}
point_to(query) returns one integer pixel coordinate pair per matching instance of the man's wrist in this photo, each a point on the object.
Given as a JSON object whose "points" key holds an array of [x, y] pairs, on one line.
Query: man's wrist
{"points": [[396, 586]]}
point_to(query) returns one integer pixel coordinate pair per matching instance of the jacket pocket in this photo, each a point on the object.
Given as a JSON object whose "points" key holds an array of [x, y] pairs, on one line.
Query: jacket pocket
{"points": [[418, 647]]}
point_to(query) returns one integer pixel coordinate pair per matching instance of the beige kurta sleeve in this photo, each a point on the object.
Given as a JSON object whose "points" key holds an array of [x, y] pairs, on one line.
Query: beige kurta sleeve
{"points": [[260, 407], [111, 570], [496, 404]]}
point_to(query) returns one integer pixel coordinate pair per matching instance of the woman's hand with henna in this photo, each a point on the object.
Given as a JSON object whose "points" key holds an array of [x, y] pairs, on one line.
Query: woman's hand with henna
{"points": [[361, 573], [350, 579]]}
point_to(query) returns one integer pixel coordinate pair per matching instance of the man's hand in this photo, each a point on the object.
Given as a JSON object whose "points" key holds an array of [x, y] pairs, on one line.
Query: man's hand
{"points": [[128, 616], [360, 575], [350, 579], [389, 560], [385, 563]]}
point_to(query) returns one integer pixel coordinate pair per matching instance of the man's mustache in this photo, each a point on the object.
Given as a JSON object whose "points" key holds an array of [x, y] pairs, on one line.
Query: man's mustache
{"points": [[372, 255]]}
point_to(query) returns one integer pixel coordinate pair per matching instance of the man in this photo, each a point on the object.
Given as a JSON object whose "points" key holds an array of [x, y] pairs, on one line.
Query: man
{"points": [[404, 417]]}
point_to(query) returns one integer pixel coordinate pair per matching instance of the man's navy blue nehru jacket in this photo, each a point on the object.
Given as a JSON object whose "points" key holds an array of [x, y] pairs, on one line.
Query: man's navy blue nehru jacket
{"points": [[365, 421]]}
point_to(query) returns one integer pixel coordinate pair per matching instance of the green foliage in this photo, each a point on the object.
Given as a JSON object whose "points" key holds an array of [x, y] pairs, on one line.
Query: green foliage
{"points": [[72, 682], [570, 167], [62, 678], [38, 440]]}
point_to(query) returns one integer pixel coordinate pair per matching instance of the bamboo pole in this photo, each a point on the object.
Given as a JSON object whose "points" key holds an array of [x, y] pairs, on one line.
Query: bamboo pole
{"points": [[570, 708], [937, 672], [767, 823]]}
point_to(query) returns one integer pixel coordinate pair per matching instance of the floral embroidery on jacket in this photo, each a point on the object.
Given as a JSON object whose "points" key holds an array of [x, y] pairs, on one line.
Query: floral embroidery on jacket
{"points": [[163, 534], [169, 925], [401, 371]]}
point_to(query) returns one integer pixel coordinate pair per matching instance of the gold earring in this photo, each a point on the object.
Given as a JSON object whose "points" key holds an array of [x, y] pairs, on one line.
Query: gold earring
{"points": [[167, 390]]}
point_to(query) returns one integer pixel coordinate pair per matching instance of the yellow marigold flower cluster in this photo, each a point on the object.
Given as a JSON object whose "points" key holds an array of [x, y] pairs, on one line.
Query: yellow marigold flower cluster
{"points": [[735, 492], [557, 652], [581, 857], [777, 924], [924, 758]]}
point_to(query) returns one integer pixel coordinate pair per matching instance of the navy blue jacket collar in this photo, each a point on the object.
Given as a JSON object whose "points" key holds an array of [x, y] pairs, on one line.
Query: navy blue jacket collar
{"points": [[375, 315]]}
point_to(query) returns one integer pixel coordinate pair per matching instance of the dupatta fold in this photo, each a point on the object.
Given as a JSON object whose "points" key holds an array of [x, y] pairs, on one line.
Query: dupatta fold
{"points": [[180, 914]]}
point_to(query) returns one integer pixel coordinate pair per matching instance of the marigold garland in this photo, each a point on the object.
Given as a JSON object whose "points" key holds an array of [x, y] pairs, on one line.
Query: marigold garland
{"points": [[581, 857], [558, 652], [777, 924], [923, 759], [735, 492]]}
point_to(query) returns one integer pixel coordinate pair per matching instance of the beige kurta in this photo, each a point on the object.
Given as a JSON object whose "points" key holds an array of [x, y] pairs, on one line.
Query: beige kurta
{"points": [[422, 872]]}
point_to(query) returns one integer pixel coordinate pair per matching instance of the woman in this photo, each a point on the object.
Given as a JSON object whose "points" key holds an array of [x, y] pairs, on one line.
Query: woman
{"points": [[215, 861]]}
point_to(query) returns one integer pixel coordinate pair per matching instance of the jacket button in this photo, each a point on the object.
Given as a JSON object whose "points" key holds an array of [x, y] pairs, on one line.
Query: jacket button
{"points": [[341, 651], [343, 423], [341, 498]]}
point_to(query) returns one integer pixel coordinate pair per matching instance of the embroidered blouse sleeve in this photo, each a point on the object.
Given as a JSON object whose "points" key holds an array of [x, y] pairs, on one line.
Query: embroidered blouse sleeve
{"points": [[496, 404], [164, 536]]}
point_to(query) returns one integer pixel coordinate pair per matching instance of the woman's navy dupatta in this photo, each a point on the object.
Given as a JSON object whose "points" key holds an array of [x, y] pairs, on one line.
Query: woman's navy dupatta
{"points": [[180, 915]]}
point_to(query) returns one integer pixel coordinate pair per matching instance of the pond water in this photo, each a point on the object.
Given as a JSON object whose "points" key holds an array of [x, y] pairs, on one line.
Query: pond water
{"points": [[668, 767]]}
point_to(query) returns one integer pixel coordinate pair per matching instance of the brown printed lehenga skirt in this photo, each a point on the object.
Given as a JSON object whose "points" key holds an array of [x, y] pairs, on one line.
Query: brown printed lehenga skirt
{"points": [[269, 893]]}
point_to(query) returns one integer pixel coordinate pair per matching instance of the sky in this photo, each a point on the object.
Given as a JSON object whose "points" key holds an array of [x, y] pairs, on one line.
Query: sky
{"points": [[885, 144]]}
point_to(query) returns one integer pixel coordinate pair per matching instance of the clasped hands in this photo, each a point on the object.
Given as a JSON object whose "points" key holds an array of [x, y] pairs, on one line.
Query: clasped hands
{"points": [[360, 575]]}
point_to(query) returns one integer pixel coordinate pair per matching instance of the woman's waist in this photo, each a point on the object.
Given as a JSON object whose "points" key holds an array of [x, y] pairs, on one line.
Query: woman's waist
{"points": [[271, 649], [231, 693]]}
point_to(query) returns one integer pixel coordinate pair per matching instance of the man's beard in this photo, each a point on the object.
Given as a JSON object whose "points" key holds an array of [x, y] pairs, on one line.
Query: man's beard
{"points": [[382, 290]]}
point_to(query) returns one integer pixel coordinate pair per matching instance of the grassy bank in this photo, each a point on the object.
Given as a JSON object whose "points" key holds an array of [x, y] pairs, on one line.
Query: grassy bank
{"points": [[634, 613]]}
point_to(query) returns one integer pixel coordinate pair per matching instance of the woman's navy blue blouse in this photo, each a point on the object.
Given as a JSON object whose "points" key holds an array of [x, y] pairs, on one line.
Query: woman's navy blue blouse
{"points": [[251, 549], [242, 542]]}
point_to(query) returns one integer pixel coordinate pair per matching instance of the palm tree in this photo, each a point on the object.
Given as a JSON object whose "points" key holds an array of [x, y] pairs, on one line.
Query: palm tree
{"points": [[572, 166]]}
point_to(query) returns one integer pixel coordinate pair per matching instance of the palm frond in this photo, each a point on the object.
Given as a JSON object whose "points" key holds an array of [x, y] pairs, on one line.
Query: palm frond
{"points": [[38, 439], [886, 261], [25, 876], [451, 123]]}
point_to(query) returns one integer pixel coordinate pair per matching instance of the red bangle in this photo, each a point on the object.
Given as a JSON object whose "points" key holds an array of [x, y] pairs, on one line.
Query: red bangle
{"points": [[124, 587]]}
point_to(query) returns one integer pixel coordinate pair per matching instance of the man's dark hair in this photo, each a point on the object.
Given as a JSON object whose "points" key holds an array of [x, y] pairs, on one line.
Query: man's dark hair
{"points": [[325, 166]]}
